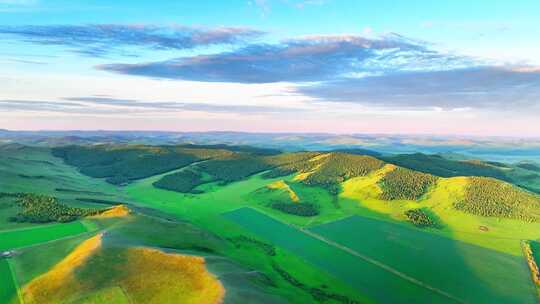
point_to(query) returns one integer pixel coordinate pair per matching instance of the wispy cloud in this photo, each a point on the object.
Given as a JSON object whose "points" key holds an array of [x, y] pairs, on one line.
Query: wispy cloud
{"points": [[313, 58], [110, 105], [498, 88], [169, 105], [102, 39]]}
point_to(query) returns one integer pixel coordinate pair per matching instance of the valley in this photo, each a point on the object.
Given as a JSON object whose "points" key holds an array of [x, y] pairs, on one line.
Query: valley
{"points": [[303, 227]]}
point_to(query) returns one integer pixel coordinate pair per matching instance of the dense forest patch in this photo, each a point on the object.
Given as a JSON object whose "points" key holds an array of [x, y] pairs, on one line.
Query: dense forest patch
{"points": [[339, 167], [300, 209], [440, 166], [121, 164], [234, 169], [45, 209], [241, 166], [184, 181], [491, 197], [402, 183], [529, 166]]}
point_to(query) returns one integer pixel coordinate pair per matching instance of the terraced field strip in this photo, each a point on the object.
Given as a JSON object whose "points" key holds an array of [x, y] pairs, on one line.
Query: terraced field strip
{"points": [[8, 287], [19, 238], [370, 279], [471, 273]]}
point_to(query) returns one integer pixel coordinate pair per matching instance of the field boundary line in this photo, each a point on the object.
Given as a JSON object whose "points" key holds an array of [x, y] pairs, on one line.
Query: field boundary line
{"points": [[526, 264], [30, 228], [52, 241], [15, 282], [381, 265]]}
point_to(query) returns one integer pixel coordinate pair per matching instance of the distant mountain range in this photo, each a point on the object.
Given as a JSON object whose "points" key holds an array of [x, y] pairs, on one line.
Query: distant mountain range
{"points": [[465, 147]]}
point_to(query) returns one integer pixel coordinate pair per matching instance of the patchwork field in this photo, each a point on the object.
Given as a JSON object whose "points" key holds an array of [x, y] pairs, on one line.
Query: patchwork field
{"points": [[302, 228], [470, 273], [368, 278]]}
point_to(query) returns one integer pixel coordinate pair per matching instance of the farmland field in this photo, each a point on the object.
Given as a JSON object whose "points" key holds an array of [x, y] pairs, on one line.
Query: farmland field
{"points": [[29, 236], [8, 292], [471, 273], [366, 277]]}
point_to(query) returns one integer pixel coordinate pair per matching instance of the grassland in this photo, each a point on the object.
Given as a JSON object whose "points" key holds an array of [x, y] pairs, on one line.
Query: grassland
{"points": [[500, 234], [205, 209], [262, 253], [13, 239]]}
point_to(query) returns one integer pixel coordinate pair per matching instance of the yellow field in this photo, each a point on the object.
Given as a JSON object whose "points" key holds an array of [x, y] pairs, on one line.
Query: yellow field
{"points": [[145, 275], [60, 281]]}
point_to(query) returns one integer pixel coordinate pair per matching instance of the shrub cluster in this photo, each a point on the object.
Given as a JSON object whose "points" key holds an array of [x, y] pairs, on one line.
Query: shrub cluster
{"points": [[405, 184], [491, 197], [419, 218], [319, 294], [268, 249], [44, 209], [300, 209]]}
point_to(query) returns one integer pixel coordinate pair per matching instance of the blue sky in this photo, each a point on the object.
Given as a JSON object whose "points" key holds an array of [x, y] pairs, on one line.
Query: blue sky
{"points": [[444, 67]]}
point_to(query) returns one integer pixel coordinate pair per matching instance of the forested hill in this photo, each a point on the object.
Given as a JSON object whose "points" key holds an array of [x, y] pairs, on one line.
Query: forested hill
{"points": [[121, 164], [524, 175], [403, 177]]}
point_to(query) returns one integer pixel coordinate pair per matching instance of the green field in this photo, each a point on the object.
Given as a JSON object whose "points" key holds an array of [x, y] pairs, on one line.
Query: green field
{"points": [[471, 273], [360, 274], [8, 290], [29, 236]]}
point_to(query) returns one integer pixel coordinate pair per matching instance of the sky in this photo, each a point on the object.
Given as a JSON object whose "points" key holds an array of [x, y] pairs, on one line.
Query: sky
{"points": [[398, 67]]}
